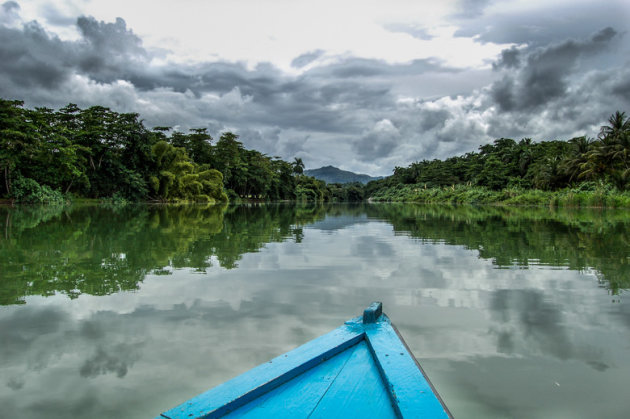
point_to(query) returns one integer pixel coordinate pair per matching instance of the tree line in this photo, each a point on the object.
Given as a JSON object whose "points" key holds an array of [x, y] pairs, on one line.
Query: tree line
{"points": [[545, 165], [48, 155]]}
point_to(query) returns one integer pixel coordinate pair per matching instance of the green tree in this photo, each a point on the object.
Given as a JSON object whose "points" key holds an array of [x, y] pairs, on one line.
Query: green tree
{"points": [[227, 160], [179, 178], [15, 145], [609, 156], [298, 166]]}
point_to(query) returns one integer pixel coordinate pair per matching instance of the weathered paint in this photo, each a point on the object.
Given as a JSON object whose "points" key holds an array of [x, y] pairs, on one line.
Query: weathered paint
{"points": [[361, 369]]}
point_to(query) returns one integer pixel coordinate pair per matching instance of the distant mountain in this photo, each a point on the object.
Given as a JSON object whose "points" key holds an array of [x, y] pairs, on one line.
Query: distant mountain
{"points": [[330, 174]]}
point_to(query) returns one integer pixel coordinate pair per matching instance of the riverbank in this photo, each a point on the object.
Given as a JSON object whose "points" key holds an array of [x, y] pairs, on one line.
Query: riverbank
{"points": [[600, 196]]}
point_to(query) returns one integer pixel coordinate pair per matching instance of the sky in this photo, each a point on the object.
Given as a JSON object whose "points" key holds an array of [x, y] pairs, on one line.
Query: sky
{"points": [[358, 84]]}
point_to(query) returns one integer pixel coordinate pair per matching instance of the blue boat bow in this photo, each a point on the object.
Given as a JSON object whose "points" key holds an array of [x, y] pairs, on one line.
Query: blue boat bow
{"points": [[361, 369]]}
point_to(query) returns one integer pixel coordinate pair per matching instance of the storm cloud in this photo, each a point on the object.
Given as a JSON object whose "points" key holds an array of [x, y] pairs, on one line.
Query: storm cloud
{"points": [[545, 73], [358, 113]]}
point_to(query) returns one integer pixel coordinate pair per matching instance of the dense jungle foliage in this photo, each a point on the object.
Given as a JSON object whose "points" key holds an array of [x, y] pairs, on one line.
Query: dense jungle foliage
{"points": [[49, 156], [579, 172]]}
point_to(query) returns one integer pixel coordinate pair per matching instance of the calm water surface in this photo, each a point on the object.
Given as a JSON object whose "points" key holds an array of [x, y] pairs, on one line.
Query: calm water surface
{"points": [[126, 312]]}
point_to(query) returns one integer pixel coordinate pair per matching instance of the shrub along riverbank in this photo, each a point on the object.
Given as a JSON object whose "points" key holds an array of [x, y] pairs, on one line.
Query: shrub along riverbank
{"points": [[585, 195], [581, 172]]}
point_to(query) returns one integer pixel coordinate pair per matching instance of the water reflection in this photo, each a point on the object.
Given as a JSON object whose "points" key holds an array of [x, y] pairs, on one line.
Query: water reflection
{"points": [[577, 239], [128, 312], [99, 251]]}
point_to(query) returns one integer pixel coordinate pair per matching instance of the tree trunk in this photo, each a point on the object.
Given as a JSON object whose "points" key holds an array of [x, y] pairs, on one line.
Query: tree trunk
{"points": [[7, 182], [68, 188]]}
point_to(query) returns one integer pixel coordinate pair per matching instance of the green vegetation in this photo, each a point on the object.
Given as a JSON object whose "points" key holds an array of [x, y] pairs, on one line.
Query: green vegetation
{"points": [[586, 194], [578, 172], [49, 156], [101, 249]]}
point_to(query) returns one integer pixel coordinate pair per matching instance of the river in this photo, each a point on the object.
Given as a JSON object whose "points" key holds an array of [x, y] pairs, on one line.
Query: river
{"points": [[128, 311]]}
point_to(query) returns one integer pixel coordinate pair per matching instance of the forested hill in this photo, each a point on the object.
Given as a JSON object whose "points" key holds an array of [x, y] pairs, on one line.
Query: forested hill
{"points": [[331, 174]]}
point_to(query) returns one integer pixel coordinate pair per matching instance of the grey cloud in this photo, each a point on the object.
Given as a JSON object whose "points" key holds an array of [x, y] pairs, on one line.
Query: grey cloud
{"points": [[379, 142], [364, 67], [110, 37], [472, 8], [592, 98], [110, 51], [433, 118], [29, 58], [502, 93], [334, 104], [542, 25], [415, 31], [459, 129], [307, 58], [10, 6], [510, 58], [9, 12], [621, 88], [332, 100], [604, 35], [545, 71]]}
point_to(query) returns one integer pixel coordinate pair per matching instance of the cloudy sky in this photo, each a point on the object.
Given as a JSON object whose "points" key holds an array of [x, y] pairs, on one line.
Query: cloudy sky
{"points": [[363, 85]]}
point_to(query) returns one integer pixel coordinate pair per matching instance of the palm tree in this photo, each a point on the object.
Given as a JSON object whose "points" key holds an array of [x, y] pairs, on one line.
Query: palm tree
{"points": [[572, 165], [618, 124], [610, 154], [298, 166]]}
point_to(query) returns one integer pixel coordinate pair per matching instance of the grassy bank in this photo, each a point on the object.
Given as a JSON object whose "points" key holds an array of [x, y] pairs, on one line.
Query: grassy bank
{"points": [[584, 196]]}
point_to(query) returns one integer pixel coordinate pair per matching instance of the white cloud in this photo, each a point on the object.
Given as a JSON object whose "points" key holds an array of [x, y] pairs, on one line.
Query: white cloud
{"points": [[279, 31]]}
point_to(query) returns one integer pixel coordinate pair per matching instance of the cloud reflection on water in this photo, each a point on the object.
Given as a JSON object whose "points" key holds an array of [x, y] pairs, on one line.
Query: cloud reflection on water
{"points": [[492, 340]]}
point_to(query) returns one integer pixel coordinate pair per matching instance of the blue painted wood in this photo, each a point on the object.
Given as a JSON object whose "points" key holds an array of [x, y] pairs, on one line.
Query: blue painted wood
{"points": [[237, 392], [361, 369], [373, 312], [358, 391], [412, 394], [298, 397]]}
